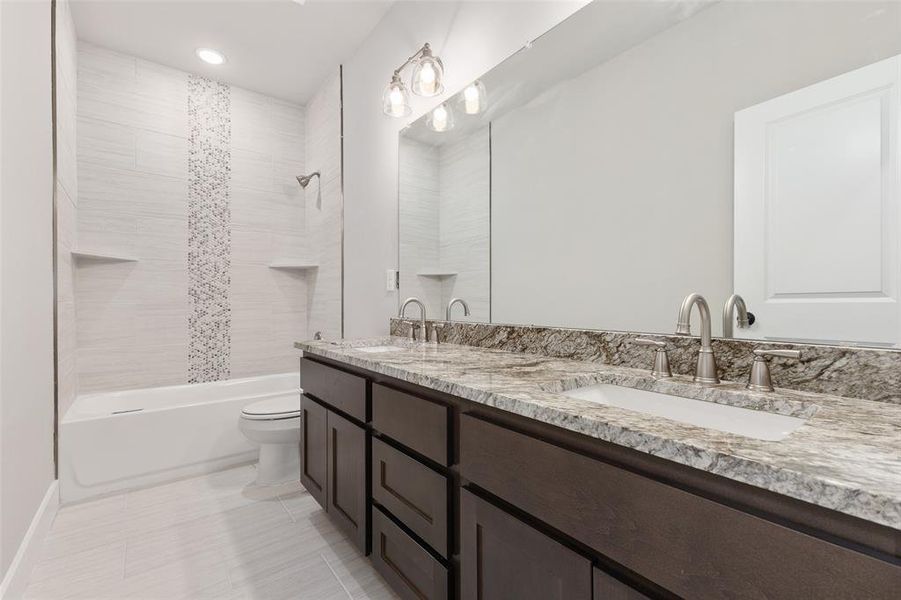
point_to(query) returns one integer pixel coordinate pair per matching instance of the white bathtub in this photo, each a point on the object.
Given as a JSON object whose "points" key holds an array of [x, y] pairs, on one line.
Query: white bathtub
{"points": [[121, 440]]}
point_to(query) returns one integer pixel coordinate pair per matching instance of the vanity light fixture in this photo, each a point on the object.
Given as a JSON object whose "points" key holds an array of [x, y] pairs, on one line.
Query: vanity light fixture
{"points": [[441, 119], [427, 81], [474, 98], [210, 56]]}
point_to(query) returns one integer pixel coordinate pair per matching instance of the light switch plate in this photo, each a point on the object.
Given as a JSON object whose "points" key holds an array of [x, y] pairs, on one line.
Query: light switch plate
{"points": [[391, 280]]}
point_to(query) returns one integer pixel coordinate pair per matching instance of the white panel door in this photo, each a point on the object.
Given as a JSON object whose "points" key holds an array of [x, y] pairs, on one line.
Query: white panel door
{"points": [[817, 210]]}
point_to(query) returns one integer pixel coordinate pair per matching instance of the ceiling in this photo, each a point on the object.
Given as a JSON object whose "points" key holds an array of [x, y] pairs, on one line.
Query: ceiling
{"points": [[281, 48]]}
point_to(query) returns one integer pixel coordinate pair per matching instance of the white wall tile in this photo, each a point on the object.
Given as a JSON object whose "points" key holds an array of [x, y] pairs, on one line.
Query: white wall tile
{"points": [[132, 174]]}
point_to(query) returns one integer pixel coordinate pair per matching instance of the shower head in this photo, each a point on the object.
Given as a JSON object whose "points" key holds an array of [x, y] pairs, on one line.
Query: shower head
{"points": [[304, 180]]}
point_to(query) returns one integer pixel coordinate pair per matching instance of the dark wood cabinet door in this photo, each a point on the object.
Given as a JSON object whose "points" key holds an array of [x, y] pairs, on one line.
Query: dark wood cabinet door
{"points": [[502, 558], [313, 457], [347, 478], [609, 588]]}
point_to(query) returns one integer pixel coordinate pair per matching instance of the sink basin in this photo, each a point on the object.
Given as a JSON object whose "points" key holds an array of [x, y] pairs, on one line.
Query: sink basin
{"points": [[376, 349], [722, 417]]}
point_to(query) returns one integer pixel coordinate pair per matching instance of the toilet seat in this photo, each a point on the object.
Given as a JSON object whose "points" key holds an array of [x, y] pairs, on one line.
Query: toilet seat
{"points": [[272, 409]]}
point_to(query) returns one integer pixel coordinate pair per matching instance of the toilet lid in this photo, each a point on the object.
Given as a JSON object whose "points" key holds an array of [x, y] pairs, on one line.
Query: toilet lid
{"points": [[278, 407]]}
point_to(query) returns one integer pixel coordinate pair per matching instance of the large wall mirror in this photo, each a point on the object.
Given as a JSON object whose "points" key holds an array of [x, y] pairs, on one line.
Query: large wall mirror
{"points": [[641, 151]]}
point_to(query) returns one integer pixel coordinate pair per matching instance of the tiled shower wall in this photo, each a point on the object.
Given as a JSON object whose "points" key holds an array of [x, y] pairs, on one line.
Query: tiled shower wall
{"points": [[445, 223], [66, 203], [195, 180]]}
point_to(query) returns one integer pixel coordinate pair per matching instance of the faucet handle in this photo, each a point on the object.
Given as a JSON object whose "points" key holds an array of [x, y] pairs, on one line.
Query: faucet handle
{"points": [[413, 327], [661, 368], [760, 379], [433, 331]]}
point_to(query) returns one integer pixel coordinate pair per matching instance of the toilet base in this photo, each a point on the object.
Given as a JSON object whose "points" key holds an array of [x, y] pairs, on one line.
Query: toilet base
{"points": [[279, 463]]}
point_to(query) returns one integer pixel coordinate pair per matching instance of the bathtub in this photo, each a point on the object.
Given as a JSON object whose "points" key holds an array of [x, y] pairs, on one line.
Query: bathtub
{"points": [[115, 441]]}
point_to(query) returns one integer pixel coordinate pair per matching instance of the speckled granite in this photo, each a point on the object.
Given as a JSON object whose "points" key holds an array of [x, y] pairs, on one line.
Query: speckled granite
{"points": [[852, 372], [847, 457]]}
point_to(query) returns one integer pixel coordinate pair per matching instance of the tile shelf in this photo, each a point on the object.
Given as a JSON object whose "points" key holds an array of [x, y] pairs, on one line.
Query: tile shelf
{"points": [[102, 255], [298, 264], [435, 273]]}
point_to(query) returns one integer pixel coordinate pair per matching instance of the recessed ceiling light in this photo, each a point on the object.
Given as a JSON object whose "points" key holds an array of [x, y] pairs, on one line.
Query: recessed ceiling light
{"points": [[210, 56]]}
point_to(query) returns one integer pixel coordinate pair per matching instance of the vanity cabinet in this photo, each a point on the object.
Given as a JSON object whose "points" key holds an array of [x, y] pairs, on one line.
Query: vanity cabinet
{"points": [[502, 557], [333, 446], [468, 502]]}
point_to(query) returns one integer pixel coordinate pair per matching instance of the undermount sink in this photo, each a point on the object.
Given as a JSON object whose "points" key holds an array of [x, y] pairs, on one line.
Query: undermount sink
{"points": [[722, 417], [375, 349]]}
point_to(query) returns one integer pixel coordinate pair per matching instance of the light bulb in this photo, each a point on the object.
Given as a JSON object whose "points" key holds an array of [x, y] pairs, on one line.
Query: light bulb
{"points": [[427, 79], [394, 100], [474, 98], [397, 100], [428, 73], [441, 119]]}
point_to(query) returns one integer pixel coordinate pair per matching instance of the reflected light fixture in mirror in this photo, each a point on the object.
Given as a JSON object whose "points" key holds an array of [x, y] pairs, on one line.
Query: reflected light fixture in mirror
{"points": [[474, 98], [395, 101], [427, 81], [441, 118]]}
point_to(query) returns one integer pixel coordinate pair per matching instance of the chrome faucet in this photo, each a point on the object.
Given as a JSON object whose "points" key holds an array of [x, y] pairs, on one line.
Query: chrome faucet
{"points": [[403, 308], [706, 369], [450, 305], [735, 302]]}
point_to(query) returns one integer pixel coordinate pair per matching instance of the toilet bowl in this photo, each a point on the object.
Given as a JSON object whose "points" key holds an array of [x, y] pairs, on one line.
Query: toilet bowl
{"points": [[274, 424]]}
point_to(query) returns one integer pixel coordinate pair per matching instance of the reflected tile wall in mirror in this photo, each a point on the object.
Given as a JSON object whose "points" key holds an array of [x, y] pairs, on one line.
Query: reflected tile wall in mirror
{"points": [[630, 166]]}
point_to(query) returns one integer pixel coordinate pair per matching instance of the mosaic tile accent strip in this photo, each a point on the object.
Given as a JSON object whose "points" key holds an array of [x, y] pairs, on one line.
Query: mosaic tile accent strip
{"points": [[852, 372], [209, 230]]}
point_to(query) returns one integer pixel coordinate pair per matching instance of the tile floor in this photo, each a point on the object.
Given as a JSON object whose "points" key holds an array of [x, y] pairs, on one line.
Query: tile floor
{"points": [[214, 536]]}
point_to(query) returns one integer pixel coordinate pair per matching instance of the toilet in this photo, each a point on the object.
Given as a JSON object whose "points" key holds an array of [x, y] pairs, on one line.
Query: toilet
{"points": [[274, 424]]}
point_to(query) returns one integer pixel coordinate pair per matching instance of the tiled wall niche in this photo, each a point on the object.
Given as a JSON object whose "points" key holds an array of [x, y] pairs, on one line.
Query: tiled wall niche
{"points": [[195, 180], [864, 373]]}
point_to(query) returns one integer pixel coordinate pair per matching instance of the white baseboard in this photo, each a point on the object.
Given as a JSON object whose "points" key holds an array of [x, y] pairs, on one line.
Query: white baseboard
{"points": [[16, 580]]}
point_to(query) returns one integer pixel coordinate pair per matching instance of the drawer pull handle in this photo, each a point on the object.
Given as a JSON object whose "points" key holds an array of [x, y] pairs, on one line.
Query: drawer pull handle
{"points": [[383, 468]]}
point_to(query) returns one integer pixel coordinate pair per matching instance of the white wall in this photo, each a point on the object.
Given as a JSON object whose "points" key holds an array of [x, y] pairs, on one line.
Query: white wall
{"points": [[635, 211], [26, 296], [470, 37]]}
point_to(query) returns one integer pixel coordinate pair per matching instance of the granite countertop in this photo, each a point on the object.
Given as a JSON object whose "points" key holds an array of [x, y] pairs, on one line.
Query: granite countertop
{"points": [[846, 457]]}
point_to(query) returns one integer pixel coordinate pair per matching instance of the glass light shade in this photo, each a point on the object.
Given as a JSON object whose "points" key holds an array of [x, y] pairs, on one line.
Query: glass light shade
{"points": [[428, 76], [441, 118], [474, 98], [395, 100]]}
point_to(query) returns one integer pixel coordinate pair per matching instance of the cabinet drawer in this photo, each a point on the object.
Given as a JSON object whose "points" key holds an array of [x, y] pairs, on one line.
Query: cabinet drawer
{"points": [[419, 424], [412, 492], [412, 572], [502, 557], [341, 390], [690, 545]]}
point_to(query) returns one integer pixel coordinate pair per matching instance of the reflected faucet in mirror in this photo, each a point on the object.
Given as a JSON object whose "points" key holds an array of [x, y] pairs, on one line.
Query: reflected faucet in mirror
{"points": [[413, 326], [706, 368], [745, 319], [450, 305]]}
